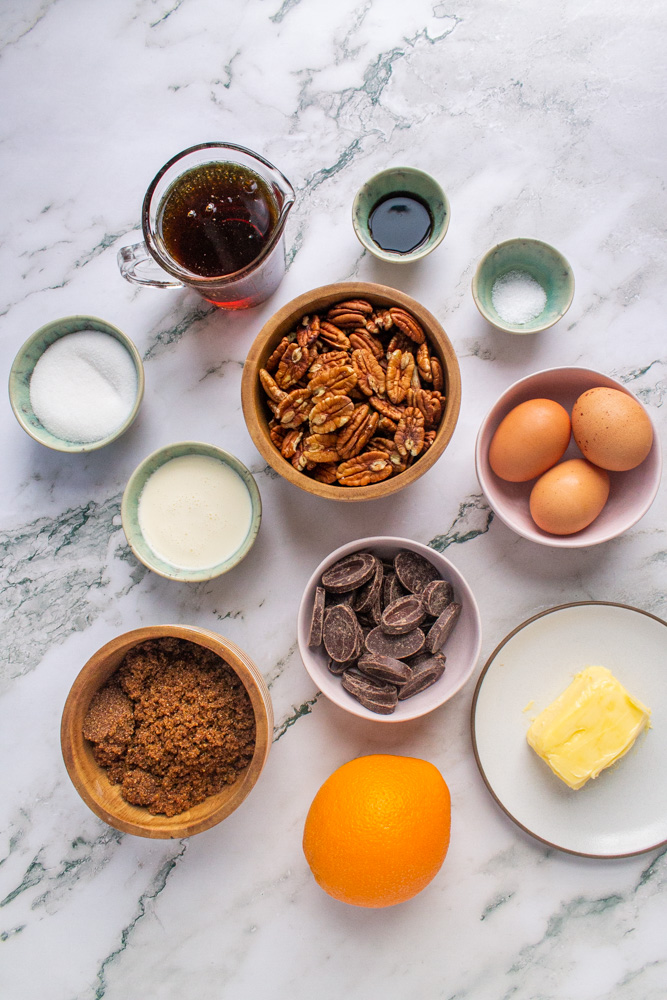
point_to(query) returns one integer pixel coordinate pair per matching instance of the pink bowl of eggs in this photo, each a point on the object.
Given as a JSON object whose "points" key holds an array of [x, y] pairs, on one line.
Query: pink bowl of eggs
{"points": [[568, 457]]}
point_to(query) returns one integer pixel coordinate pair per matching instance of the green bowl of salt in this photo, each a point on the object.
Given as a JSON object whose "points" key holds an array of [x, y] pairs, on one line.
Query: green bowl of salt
{"points": [[523, 286]]}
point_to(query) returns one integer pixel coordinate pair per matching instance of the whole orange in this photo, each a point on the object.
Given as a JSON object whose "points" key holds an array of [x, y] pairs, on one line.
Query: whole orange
{"points": [[377, 831]]}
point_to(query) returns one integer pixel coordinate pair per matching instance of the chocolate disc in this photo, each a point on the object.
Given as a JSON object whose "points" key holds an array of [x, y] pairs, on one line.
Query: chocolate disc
{"points": [[349, 573], [368, 595], [398, 646], [403, 615], [317, 619], [413, 571], [391, 589], [384, 668], [424, 674], [376, 696], [442, 627], [436, 595], [342, 635]]}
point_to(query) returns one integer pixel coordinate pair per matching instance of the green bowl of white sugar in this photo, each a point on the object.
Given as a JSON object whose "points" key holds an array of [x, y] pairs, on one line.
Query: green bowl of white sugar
{"points": [[76, 384], [523, 286]]}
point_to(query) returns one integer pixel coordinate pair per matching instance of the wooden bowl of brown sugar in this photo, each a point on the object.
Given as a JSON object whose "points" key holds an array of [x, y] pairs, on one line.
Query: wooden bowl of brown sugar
{"points": [[351, 391], [165, 730]]}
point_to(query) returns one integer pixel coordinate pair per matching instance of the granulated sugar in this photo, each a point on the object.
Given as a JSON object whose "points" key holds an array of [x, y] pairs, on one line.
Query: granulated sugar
{"points": [[517, 297], [84, 386]]}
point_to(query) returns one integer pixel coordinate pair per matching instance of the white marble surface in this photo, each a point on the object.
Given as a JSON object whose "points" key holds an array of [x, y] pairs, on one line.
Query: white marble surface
{"points": [[544, 120]]}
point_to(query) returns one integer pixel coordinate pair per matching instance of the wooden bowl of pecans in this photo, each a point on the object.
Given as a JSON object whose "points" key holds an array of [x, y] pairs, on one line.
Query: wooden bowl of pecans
{"points": [[351, 391], [165, 730]]}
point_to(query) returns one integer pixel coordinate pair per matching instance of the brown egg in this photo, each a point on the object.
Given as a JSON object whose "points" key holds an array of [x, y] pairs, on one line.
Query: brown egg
{"points": [[612, 429], [569, 497], [529, 440]]}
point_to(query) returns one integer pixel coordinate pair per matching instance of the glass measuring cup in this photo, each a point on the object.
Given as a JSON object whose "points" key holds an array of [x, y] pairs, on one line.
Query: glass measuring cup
{"points": [[228, 192]]}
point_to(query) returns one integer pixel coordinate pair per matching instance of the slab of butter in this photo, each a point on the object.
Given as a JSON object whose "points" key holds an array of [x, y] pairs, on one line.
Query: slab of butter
{"points": [[593, 723]]}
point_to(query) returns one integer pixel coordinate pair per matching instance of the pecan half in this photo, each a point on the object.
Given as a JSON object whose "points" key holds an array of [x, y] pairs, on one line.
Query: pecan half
{"points": [[410, 432], [424, 362], [438, 375], [330, 412], [339, 380], [293, 364], [408, 325], [325, 473], [354, 437], [400, 369], [399, 342], [385, 408], [294, 408], [272, 390], [371, 467], [334, 336], [370, 375], [309, 332], [431, 405], [277, 433], [330, 359], [274, 359], [321, 448], [290, 444], [362, 339]]}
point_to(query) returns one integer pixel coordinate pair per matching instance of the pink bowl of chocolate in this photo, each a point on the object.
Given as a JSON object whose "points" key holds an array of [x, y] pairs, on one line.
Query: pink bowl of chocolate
{"points": [[388, 629]]}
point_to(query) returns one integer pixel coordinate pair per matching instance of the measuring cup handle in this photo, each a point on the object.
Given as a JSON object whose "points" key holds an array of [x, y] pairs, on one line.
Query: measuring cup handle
{"points": [[137, 266]]}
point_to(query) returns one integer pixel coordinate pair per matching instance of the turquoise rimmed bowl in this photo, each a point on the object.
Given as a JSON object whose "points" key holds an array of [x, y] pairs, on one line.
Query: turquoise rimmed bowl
{"points": [[130, 512], [23, 367], [401, 180], [541, 262]]}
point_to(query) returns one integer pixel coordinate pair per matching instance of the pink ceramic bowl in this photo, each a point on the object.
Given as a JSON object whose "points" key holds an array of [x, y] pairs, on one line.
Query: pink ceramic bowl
{"points": [[631, 493], [461, 649]]}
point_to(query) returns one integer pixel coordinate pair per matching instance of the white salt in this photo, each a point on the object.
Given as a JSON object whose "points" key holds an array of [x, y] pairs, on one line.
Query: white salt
{"points": [[84, 386], [517, 297]]}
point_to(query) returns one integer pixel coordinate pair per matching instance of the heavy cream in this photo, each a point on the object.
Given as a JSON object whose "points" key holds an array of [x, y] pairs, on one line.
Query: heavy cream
{"points": [[194, 512]]}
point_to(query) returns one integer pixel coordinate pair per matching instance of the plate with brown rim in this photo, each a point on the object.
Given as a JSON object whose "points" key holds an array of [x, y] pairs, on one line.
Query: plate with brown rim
{"points": [[623, 811]]}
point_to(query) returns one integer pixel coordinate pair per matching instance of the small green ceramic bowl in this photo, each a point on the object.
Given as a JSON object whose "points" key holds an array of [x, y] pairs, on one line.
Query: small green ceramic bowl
{"points": [[29, 355], [130, 512], [401, 180], [541, 262]]}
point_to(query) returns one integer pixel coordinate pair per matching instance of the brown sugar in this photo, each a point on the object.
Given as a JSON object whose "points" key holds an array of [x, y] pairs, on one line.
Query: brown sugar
{"points": [[173, 725]]}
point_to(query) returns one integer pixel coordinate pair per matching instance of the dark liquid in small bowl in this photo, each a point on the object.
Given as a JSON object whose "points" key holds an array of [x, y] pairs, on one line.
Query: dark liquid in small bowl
{"points": [[217, 218], [400, 223]]}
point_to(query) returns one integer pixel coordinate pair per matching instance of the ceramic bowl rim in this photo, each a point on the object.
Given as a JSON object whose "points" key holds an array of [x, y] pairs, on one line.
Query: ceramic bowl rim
{"points": [[387, 255], [348, 703], [83, 322], [513, 328], [565, 541], [137, 481]]}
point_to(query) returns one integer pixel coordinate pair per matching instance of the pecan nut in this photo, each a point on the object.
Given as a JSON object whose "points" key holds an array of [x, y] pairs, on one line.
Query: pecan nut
{"points": [[272, 390], [330, 412], [370, 375], [410, 432], [408, 325], [371, 467], [356, 434], [293, 364], [338, 380], [294, 408], [400, 369]]}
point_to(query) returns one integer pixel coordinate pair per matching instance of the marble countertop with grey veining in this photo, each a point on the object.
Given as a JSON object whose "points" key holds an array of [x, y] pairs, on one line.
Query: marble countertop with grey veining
{"points": [[538, 120]]}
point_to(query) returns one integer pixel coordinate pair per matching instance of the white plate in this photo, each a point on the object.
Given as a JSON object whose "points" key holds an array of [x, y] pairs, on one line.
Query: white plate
{"points": [[624, 810]]}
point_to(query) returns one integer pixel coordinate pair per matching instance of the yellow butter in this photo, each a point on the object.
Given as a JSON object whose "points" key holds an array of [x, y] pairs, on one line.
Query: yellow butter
{"points": [[589, 726]]}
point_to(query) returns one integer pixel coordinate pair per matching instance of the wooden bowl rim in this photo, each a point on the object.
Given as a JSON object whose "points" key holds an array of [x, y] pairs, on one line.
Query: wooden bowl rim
{"points": [[280, 323], [100, 795]]}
